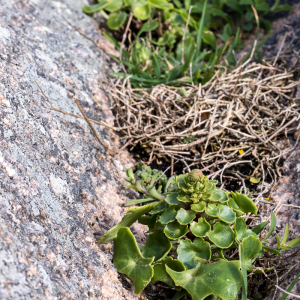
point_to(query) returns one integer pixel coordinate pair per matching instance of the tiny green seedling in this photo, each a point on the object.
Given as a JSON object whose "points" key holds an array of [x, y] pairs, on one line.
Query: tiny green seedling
{"points": [[198, 241], [188, 140]]}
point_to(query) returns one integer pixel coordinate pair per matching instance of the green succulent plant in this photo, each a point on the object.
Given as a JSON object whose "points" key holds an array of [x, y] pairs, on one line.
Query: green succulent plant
{"points": [[198, 242]]}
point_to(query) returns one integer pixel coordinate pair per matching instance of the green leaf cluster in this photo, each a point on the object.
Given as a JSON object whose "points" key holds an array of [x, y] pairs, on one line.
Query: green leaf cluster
{"points": [[176, 41], [194, 227]]}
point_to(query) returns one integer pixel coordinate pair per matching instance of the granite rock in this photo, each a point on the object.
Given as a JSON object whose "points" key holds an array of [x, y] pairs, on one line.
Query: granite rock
{"points": [[58, 184], [285, 203]]}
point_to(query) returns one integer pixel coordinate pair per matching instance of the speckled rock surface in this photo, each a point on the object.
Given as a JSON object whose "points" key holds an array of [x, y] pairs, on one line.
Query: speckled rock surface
{"points": [[285, 200], [58, 185], [285, 203]]}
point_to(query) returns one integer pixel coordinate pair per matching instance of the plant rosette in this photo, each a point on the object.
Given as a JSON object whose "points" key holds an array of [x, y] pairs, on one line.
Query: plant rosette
{"points": [[194, 228]]}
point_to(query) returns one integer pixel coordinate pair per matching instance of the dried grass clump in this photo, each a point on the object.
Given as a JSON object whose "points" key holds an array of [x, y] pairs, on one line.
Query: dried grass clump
{"points": [[229, 126]]}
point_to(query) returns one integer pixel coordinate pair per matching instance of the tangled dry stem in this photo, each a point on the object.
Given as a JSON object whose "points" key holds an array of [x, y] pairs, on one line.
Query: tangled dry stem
{"points": [[229, 124]]}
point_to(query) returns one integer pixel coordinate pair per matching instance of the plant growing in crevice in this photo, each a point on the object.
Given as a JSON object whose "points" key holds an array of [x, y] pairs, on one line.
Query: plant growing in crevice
{"points": [[198, 241]]}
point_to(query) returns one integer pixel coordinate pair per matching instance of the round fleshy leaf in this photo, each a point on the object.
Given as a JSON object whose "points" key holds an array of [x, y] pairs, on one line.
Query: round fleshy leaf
{"points": [[160, 273], [157, 245], [249, 232], [198, 207], [200, 229], [96, 7], [223, 279], [212, 210], [187, 251], [185, 217], [215, 196], [182, 186], [210, 187], [115, 21], [226, 214], [183, 197], [160, 208], [244, 203], [231, 203], [147, 27], [224, 196], [240, 228], [112, 5], [128, 260], [175, 231], [168, 216], [172, 199], [252, 247], [222, 235], [141, 10], [205, 196], [223, 212], [180, 178], [209, 38]]}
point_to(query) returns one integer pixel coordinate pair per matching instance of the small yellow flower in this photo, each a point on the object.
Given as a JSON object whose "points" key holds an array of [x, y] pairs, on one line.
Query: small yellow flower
{"points": [[241, 151], [268, 198]]}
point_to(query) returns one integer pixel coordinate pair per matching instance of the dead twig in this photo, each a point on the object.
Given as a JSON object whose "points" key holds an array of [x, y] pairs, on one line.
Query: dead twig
{"points": [[92, 127], [296, 296]]}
